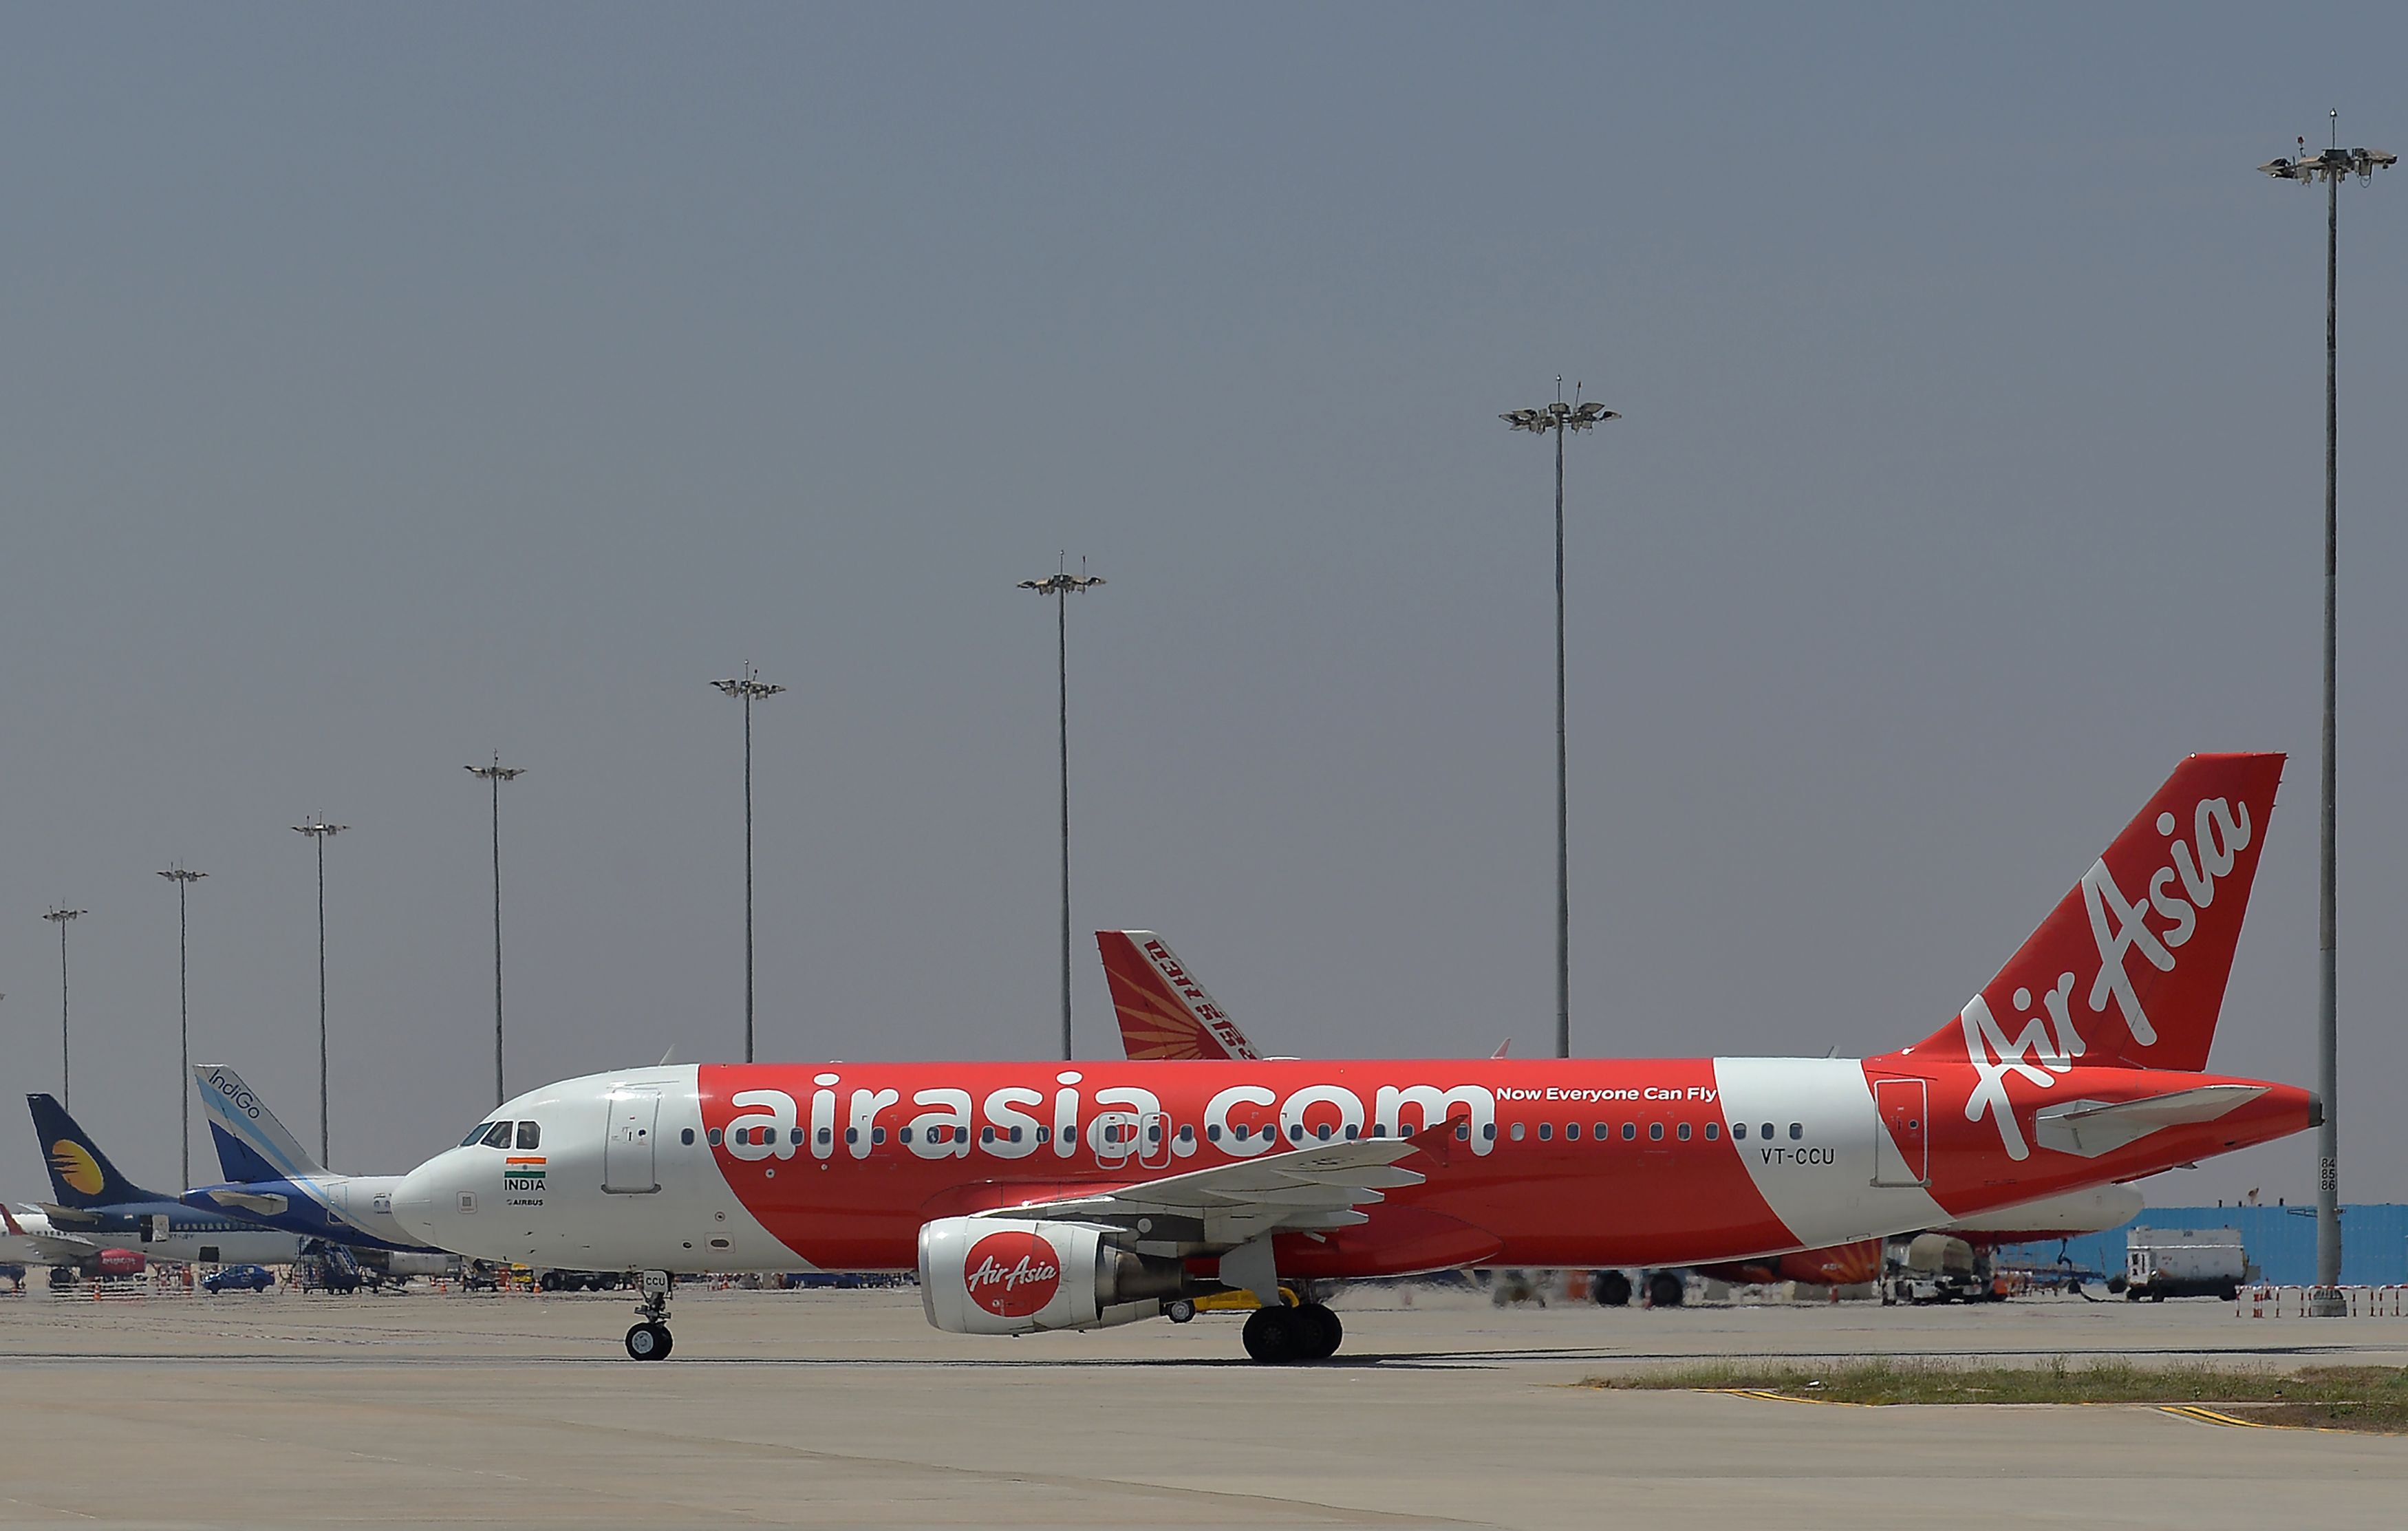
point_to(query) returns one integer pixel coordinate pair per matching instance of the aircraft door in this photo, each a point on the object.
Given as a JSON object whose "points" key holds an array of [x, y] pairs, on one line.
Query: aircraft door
{"points": [[1901, 1141], [627, 1167], [1154, 1140], [1114, 1137]]}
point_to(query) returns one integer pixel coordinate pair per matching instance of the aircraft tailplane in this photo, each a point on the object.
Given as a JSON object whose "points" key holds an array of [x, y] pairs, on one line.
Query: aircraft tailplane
{"points": [[1163, 1012], [81, 1174], [253, 1145], [2130, 967]]}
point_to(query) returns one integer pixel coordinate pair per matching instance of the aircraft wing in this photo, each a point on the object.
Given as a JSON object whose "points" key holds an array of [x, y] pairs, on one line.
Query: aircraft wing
{"points": [[1317, 1187]]}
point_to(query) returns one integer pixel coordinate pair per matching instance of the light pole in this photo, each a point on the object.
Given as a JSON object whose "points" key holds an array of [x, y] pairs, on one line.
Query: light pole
{"points": [[2330, 166], [496, 774], [747, 687], [59, 917], [1562, 420], [183, 881], [320, 831], [1061, 585]]}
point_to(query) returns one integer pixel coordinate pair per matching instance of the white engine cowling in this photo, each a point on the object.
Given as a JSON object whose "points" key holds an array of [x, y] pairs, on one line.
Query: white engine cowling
{"points": [[1007, 1276]]}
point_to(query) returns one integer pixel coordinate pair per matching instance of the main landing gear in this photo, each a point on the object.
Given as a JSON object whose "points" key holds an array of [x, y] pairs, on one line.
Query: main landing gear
{"points": [[649, 1340], [1308, 1332]]}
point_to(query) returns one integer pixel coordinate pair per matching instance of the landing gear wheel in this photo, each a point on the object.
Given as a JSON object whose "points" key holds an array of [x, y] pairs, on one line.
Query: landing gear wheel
{"points": [[1610, 1288], [1665, 1289], [1273, 1336], [1178, 1311], [1321, 1332], [649, 1341], [550, 1280]]}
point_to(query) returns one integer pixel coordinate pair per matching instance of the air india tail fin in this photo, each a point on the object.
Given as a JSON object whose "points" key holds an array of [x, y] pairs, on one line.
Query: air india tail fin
{"points": [[2130, 967], [1163, 1012], [252, 1146], [80, 1175]]}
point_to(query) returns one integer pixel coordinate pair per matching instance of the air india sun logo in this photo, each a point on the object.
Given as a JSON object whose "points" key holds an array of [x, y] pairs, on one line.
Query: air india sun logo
{"points": [[75, 1164], [1012, 1273]]}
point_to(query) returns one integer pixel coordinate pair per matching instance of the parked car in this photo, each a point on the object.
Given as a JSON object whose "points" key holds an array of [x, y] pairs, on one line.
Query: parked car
{"points": [[239, 1279]]}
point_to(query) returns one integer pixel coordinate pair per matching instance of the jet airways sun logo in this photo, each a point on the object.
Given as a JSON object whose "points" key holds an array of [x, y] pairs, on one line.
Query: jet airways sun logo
{"points": [[76, 1166], [1012, 1273], [2047, 1044]]}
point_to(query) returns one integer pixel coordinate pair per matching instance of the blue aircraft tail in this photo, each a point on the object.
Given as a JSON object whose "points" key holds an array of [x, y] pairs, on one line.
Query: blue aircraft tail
{"points": [[241, 1164], [81, 1174]]}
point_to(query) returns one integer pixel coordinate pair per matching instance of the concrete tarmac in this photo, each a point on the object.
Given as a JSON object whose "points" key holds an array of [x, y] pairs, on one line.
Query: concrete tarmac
{"points": [[844, 1409]]}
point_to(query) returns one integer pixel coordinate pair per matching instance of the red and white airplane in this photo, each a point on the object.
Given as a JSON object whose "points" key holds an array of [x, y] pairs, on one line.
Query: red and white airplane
{"points": [[1166, 1012], [1044, 1196]]}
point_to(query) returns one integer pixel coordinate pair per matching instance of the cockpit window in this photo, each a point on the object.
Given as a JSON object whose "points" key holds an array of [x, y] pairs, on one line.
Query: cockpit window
{"points": [[530, 1134], [476, 1133], [499, 1137]]}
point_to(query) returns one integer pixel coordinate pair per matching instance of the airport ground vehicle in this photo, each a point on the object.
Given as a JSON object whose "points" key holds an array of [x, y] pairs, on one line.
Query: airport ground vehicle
{"points": [[1936, 1268], [1032, 1196], [2161, 1263], [326, 1266], [579, 1281], [238, 1278]]}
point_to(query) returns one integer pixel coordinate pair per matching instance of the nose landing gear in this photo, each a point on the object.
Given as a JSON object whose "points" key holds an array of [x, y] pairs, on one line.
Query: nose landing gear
{"points": [[649, 1340]]}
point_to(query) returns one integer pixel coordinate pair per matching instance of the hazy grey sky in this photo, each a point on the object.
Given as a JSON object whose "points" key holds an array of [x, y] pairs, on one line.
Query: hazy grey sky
{"points": [[381, 387]]}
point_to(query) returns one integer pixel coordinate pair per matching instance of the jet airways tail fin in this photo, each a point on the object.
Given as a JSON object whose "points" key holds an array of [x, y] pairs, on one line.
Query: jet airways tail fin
{"points": [[80, 1175], [252, 1146], [1163, 1012], [2130, 967]]}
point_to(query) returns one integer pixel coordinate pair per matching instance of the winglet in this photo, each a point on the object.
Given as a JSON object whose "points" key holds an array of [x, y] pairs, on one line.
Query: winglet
{"points": [[1503, 1048], [1438, 1138], [1163, 1012]]}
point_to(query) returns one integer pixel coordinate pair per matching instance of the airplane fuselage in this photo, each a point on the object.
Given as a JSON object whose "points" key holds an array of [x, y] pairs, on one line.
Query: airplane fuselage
{"points": [[780, 1166], [353, 1209], [170, 1233]]}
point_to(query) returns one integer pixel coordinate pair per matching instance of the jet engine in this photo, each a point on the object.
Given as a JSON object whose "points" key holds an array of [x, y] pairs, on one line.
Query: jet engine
{"points": [[1003, 1276]]}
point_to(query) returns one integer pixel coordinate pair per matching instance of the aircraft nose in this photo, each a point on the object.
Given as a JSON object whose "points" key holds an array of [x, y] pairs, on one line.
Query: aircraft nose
{"points": [[421, 1199]]}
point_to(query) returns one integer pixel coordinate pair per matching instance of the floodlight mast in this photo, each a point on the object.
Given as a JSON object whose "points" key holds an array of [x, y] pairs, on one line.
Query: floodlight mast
{"points": [[183, 881], [60, 915], [320, 831], [748, 688], [1061, 585], [496, 774], [2330, 166], [1561, 419]]}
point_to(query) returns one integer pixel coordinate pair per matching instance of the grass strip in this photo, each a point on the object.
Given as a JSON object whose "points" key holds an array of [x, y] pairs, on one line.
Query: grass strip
{"points": [[2373, 1398]]}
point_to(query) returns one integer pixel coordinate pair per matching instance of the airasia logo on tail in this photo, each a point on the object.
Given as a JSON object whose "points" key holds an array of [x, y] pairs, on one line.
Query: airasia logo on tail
{"points": [[1012, 1275], [2038, 1047]]}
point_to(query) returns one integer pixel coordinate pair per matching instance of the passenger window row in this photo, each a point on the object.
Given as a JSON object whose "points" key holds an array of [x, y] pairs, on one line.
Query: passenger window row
{"points": [[1797, 1131], [499, 1135]]}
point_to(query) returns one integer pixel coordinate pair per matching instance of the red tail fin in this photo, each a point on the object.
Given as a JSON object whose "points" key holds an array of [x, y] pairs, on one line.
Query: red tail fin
{"points": [[2130, 967], [1164, 1012]]}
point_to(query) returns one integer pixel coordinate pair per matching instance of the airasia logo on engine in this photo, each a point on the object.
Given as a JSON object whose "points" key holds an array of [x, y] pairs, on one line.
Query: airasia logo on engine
{"points": [[1012, 1275]]}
